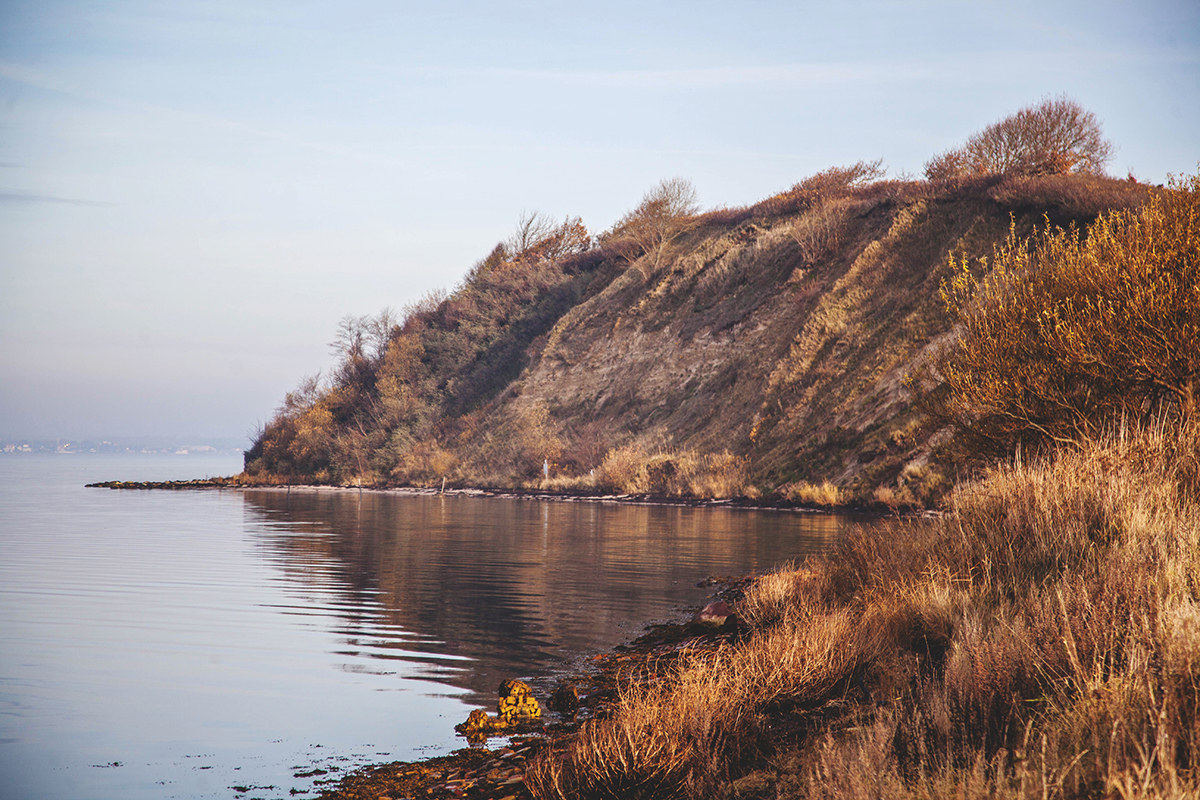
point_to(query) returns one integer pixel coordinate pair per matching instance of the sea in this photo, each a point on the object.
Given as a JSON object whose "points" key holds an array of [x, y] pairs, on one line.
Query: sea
{"points": [[260, 643]]}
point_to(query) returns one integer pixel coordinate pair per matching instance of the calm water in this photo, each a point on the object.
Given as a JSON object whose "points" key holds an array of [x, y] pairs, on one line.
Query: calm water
{"points": [[202, 643]]}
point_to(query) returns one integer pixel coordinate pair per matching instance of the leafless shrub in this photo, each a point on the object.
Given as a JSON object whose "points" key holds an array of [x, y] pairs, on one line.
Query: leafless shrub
{"points": [[538, 236], [666, 212], [364, 336], [1054, 137], [829, 184], [417, 313], [818, 232]]}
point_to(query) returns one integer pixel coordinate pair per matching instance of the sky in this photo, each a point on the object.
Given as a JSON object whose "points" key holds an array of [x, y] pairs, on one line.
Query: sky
{"points": [[193, 194]]}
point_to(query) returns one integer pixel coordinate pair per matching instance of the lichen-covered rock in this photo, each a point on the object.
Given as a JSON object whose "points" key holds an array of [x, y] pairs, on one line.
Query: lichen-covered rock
{"points": [[517, 703], [477, 721], [517, 709]]}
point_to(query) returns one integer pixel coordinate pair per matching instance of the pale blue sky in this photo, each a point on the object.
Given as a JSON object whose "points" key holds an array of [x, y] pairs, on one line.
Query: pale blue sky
{"points": [[193, 193]]}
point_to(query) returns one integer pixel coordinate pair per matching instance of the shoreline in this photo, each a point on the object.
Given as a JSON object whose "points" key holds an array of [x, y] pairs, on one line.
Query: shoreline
{"points": [[547, 495], [477, 772]]}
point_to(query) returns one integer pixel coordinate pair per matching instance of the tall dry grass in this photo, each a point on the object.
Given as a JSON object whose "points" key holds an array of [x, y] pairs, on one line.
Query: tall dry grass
{"points": [[824, 495], [638, 468], [1042, 639]]}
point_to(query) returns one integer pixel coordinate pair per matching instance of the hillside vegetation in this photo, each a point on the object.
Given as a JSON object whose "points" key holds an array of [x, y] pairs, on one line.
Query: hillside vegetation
{"points": [[750, 351], [758, 351], [1017, 338]]}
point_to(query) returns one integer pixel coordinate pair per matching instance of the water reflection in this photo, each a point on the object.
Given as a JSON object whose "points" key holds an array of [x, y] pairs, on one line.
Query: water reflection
{"points": [[469, 591]]}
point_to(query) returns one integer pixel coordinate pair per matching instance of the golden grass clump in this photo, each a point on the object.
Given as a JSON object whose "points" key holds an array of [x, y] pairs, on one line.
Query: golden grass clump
{"points": [[637, 469], [1042, 639], [825, 495]]}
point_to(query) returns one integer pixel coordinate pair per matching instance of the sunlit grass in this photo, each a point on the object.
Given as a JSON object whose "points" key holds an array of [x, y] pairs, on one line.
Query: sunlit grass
{"points": [[1042, 639]]}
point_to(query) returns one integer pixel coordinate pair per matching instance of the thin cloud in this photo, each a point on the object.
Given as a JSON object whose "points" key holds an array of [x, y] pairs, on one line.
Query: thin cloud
{"points": [[940, 68], [32, 77], [715, 77], [29, 198]]}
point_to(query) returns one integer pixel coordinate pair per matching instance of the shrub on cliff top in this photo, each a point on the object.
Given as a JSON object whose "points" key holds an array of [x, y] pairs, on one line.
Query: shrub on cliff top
{"points": [[666, 212], [1055, 136]]}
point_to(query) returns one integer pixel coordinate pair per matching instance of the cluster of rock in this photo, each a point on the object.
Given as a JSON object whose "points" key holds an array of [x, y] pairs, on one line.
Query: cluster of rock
{"points": [[517, 709], [477, 773]]}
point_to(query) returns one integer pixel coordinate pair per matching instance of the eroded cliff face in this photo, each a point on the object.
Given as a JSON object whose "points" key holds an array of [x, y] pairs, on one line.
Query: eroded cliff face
{"points": [[780, 335], [785, 341]]}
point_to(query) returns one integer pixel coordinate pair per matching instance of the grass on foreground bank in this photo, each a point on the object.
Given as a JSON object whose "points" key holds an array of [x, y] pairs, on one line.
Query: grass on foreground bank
{"points": [[1041, 640]]}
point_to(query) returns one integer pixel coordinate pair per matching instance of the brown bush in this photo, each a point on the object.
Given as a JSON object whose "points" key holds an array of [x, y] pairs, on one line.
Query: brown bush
{"points": [[825, 495], [1054, 137], [1064, 333], [829, 184], [818, 232], [1075, 197]]}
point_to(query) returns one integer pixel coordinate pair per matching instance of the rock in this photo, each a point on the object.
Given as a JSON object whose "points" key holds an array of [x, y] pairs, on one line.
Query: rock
{"points": [[517, 708], [714, 613], [565, 699], [517, 703], [478, 724]]}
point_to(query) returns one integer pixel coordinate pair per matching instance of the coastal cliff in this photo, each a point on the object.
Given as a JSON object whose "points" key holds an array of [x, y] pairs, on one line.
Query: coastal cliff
{"points": [[758, 352]]}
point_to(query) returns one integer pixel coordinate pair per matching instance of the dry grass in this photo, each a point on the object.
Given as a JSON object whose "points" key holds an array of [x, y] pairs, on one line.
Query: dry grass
{"points": [[638, 469], [568, 483], [1071, 196], [818, 233], [825, 495], [1042, 640]]}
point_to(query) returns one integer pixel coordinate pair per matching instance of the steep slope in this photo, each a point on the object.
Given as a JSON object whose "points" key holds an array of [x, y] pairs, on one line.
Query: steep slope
{"points": [[779, 335]]}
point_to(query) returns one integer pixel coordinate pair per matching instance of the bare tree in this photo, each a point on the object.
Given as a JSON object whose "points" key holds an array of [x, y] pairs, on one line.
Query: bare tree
{"points": [[538, 237], [364, 336], [1054, 137], [665, 213], [532, 227], [303, 397]]}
